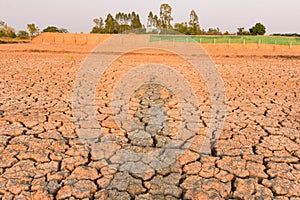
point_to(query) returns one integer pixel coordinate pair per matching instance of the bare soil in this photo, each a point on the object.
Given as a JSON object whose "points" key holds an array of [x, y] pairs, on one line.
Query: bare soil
{"points": [[256, 156]]}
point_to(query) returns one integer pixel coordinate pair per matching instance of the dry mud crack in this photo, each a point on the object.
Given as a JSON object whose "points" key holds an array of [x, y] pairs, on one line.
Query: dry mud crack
{"points": [[256, 157]]}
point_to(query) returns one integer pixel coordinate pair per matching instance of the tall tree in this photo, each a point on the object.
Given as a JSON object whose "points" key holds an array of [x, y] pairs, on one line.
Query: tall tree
{"points": [[135, 21], [194, 23], [126, 19], [166, 16], [99, 22], [157, 22], [150, 20], [99, 25], [152, 23], [123, 21], [33, 30], [111, 25]]}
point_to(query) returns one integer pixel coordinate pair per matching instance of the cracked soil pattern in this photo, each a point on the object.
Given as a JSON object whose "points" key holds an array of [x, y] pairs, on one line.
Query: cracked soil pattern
{"points": [[256, 157]]}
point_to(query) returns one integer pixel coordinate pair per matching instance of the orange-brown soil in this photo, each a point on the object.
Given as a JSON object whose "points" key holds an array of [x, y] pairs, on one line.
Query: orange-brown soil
{"points": [[42, 157]]}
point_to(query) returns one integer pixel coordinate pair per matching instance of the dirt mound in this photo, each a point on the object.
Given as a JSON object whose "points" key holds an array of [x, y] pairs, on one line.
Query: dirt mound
{"points": [[70, 38]]}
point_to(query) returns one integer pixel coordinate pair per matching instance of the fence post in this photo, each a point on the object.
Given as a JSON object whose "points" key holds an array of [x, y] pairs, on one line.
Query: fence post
{"points": [[244, 42], [229, 42], [291, 44], [259, 41], [200, 40]]}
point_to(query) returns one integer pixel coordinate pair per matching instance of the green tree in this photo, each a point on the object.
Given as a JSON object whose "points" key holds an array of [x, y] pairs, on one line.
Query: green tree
{"points": [[1, 31], [157, 22], [2, 34], [182, 28], [99, 25], [124, 20], [8, 31], [166, 16], [111, 25], [54, 29], [150, 20], [135, 21], [152, 23], [99, 22], [242, 31], [194, 23], [121, 20], [213, 31], [258, 29], [63, 30], [23, 34], [51, 29], [33, 30]]}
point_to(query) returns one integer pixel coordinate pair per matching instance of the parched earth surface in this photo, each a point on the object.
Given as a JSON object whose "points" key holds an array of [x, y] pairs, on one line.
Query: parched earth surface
{"points": [[256, 156]]}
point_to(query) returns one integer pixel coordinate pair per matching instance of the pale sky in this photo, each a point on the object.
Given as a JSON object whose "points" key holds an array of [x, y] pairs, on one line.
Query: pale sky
{"points": [[228, 15]]}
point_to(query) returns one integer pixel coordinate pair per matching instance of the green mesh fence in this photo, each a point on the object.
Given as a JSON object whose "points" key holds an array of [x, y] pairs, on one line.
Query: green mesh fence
{"points": [[228, 39]]}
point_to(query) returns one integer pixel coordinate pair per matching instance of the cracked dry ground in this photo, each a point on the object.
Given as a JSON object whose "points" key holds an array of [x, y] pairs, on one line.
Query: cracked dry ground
{"points": [[256, 157]]}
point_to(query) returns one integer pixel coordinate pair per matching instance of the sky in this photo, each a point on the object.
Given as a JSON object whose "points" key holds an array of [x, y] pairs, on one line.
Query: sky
{"points": [[77, 15]]}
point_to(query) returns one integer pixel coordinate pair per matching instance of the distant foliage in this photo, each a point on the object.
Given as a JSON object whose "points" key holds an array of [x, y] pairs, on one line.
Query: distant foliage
{"points": [[287, 34], [213, 31], [258, 29], [242, 31], [33, 30], [23, 34], [120, 23], [182, 28], [54, 29], [7, 31]]}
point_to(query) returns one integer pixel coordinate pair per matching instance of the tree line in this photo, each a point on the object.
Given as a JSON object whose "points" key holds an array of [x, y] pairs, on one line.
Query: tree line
{"points": [[162, 23], [31, 32], [156, 23]]}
